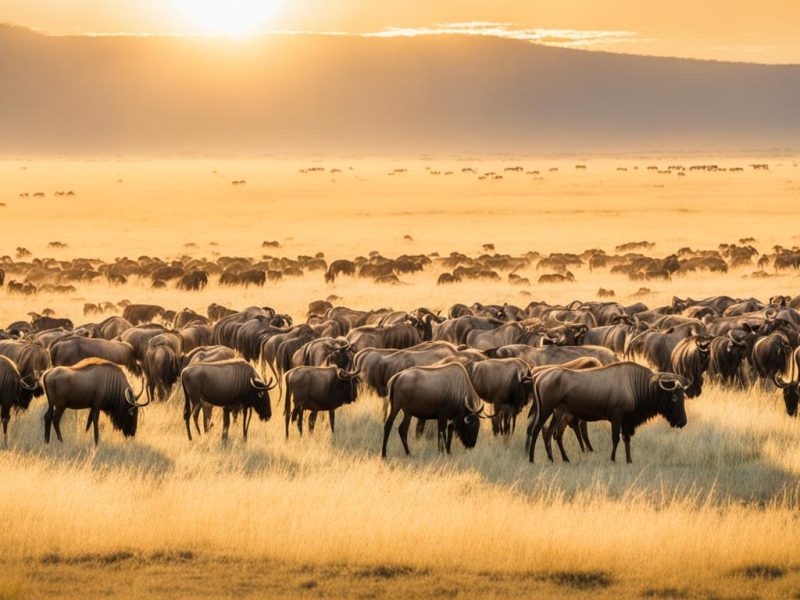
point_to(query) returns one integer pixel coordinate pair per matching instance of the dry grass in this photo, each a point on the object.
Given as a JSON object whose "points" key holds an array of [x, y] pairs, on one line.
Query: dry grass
{"points": [[711, 509]]}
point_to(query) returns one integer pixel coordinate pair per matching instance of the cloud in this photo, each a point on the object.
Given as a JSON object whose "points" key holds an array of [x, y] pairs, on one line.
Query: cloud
{"points": [[573, 38]]}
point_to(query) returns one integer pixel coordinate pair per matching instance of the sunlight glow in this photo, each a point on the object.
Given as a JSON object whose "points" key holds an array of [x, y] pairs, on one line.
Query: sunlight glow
{"points": [[228, 17]]}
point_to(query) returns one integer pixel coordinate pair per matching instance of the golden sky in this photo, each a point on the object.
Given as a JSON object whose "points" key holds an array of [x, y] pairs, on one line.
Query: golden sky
{"points": [[742, 30]]}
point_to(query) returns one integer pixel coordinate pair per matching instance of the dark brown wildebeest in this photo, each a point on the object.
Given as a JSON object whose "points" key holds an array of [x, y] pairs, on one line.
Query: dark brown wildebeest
{"points": [[399, 336], [15, 392], [31, 359], [161, 367], [690, 360], [44, 323], [790, 387], [96, 384], [339, 267], [216, 311], [113, 327], [318, 389], [626, 394], [770, 355], [727, 353], [442, 393], [136, 314], [232, 385], [196, 280], [71, 351]]}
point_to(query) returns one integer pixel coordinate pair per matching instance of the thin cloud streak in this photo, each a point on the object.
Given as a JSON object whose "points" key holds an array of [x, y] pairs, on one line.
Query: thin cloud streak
{"points": [[551, 37]]}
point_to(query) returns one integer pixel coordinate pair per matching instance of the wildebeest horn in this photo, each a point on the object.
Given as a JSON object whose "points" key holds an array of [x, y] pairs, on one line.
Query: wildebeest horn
{"points": [[342, 374], [666, 388], [23, 382], [258, 384], [779, 382], [132, 399], [734, 340], [770, 314]]}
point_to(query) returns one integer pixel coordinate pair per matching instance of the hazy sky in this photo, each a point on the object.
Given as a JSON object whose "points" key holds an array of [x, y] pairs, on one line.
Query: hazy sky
{"points": [[748, 30]]}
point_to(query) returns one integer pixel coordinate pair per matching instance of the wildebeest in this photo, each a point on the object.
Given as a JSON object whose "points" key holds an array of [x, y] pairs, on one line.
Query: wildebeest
{"points": [[15, 392], [45, 323], [31, 359], [161, 368], [137, 314], [690, 359], [770, 354], [339, 267], [399, 336], [196, 280], [442, 393], [71, 351], [96, 384], [318, 389], [232, 385], [727, 354], [626, 394]]}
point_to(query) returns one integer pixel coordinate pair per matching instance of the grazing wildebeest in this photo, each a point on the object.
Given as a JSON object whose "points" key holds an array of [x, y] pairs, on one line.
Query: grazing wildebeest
{"points": [[318, 389], [232, 385], [15, 392], [339, 267], [626, 394], [71, 351], [505, 383], [96, 384], [442, 393]]}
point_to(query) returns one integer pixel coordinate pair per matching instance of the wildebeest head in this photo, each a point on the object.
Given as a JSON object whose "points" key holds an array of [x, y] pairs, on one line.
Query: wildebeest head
{"points": [[341, 357], [467, 428], [259, 397], [348, 385], [671, 398]]}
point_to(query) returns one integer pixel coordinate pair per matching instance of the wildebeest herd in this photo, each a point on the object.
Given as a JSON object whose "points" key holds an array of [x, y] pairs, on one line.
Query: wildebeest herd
{"points": [[28, 276], [567, 365]]}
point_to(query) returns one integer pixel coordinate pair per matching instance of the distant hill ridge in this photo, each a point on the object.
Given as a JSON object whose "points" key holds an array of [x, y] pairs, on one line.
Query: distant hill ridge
{"points": [[309, 93]]}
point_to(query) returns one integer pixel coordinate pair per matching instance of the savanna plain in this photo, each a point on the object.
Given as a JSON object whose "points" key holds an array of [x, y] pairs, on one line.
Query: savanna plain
{"points": [[709, 511]]}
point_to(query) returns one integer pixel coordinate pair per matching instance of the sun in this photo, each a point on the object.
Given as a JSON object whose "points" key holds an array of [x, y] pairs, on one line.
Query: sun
{"points": [[227, 17]]}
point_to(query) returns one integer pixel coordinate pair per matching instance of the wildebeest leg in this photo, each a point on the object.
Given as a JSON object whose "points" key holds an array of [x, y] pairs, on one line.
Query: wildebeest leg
{"points": [[187, 412], [420, 428], [332, 417], [403, 431], [57, 422], [387, 430], [196, 417], [626, 437], [287, 413], [245, 421], [312, 422], [584, 427], [615, 427], [497, 426], [575, 425], [207, 412], [533, 433], [559, 435], [298, 410], [48, 421], [94, 415], [440, 435], [6, 415], [450, 428], [226, 423]]}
